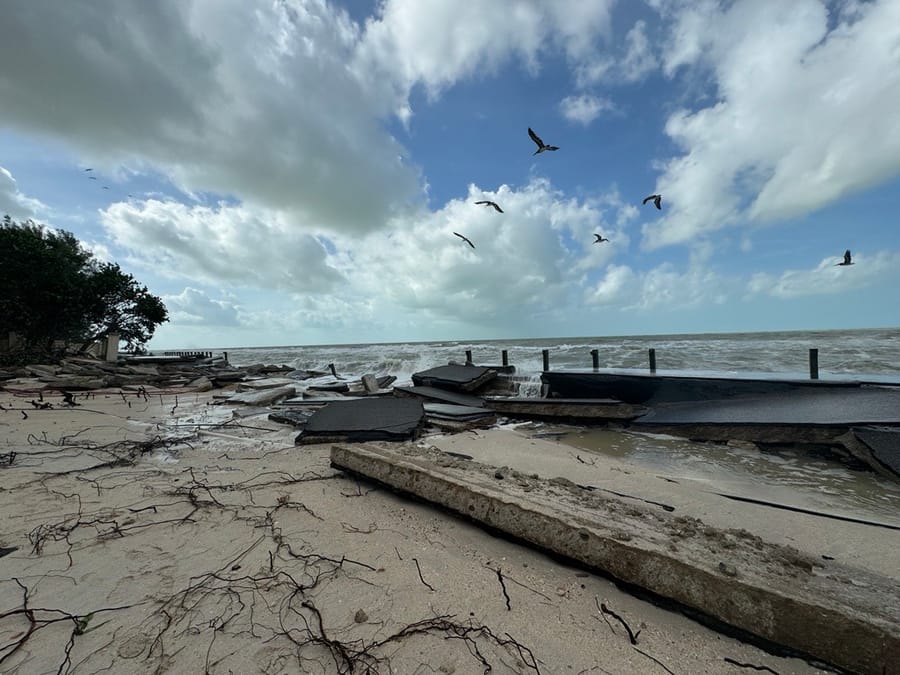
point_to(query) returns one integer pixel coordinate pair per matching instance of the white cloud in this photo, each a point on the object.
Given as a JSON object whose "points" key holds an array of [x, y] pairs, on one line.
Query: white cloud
{"points": [[660, 288], [536, 255], [439, 42], [827, 277], [228, 244], [800, 118], [584, 108], [526, 257], [13, 203], [251, 99], [618, 286], [639, 58], [194, 307]]}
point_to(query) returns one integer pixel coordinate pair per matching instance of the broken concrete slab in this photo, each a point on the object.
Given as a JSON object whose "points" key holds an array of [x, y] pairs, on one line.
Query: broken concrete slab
{"points": [[338, 387], [294, 418], [318, 398], [456, 418], [263, 397], [390, 419], [459, 412], [370, 383], [883, 444], [266, 383], [841, 406], [435, 394], [580, 408], [202, 383], [456, 378], [846, 616]]}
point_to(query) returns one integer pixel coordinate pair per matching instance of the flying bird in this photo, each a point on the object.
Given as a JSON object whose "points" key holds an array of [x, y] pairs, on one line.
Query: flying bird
{"points": [[105, 187], [465, 239], [847, 260], [88, 169], [656, 200], [494, 204], [599, 239], [92, 177], [542, 147]]}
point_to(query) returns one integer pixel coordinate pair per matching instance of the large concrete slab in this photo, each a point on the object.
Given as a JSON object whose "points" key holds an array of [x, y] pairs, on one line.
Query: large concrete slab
{"points": [[828, 407], [435, 394], [578, 408], [845, 616], [391, 419], [642, 386]]}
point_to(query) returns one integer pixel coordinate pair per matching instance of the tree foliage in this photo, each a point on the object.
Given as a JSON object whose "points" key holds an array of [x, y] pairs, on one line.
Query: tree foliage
{"points": [[55, 290]]}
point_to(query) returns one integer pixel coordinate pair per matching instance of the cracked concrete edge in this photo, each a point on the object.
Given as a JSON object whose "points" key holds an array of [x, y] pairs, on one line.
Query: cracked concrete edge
{"points": [[855, 641]]}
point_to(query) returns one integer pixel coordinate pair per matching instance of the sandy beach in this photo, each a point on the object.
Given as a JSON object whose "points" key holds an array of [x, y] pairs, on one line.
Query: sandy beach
{"points": [[159, 534]]}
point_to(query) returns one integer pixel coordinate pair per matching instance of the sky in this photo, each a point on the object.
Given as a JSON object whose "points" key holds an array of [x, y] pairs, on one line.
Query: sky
{"points": [[293, 172]]}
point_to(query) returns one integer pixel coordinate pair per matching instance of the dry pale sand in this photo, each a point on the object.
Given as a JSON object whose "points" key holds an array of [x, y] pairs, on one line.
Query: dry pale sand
{"points": [[151, 537]]}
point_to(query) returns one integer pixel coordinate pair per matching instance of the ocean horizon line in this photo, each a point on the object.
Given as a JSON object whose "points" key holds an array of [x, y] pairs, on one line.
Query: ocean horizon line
{"points": [[462, 341]]}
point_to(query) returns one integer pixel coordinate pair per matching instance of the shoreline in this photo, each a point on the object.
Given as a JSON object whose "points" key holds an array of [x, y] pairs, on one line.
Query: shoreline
{"points": [[155, 564]]}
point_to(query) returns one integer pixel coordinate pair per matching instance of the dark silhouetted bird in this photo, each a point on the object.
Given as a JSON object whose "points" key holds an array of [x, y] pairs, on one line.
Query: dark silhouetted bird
{"points": [[599, 239], [92, 177], [657, 199], [88, 169], [465, 239], [494, 204], [542, 147], [105, 188], [847, 260]]}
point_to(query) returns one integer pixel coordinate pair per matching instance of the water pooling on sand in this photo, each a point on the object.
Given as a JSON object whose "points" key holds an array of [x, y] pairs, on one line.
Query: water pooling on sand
{"points": [[785, 476]]}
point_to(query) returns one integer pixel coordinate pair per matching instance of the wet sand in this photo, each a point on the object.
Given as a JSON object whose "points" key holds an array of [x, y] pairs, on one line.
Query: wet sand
{"points": [[156, 536]]}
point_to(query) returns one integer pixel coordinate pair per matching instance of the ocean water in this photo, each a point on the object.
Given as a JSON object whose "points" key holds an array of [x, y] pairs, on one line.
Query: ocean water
{"points": [[841, 352]]}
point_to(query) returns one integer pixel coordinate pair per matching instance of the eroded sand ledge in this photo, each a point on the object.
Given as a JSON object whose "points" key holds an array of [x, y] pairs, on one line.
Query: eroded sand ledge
{"points": [[248, 554]]}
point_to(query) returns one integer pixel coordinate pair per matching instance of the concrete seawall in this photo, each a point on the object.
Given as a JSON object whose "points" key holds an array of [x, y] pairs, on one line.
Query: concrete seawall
{"points": [[842, 615]]}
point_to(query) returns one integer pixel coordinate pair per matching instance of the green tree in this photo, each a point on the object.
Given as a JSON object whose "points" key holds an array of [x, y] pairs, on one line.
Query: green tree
{"points": [[54, 290]]}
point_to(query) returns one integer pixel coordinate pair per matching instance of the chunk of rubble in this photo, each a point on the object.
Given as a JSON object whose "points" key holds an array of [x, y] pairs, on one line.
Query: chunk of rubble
{"points": [[262, 397], [451, 417], [456, 378]]}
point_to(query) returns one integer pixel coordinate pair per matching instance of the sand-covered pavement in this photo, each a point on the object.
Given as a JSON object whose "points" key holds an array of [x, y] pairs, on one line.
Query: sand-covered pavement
{"points": [[152, 535]]}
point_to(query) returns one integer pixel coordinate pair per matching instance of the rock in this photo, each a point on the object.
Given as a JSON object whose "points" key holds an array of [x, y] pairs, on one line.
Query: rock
{"points": [[727, 570], [264, 397], [370, 384], [202, 383], [43, 370], [360, 616]]}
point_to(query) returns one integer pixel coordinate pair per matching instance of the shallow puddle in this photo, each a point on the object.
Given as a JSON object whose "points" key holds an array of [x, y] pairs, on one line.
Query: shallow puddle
{"points": [[786, 476]]}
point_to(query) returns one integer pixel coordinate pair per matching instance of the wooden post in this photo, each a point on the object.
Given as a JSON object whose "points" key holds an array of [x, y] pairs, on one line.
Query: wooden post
{"points": [[226, 356], [545, 353], [504, 357], [595, 358], [814, 364], [468, 357], [652, 354]]}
